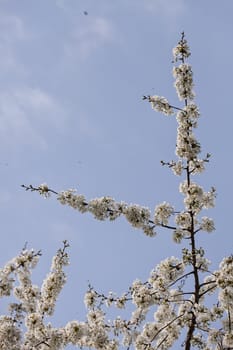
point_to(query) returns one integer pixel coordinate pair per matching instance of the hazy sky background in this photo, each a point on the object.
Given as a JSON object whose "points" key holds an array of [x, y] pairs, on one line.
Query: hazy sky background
{"points": [[71, 115]]}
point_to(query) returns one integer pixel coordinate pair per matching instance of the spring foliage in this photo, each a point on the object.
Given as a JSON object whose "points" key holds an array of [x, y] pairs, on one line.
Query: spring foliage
{"points": [[177, 289]]}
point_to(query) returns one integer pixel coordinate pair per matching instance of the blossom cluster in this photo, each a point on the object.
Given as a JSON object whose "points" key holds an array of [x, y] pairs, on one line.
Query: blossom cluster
{"points": [[196, 198], [171, 302], [160, 104], [181, 51], [21, 265], [164, 290], [184, 81], [107, 208]]}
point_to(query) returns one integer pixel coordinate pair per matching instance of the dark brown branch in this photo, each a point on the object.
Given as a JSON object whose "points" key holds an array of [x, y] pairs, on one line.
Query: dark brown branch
{"points": [[206, 291], [37, 189], [164, 327], [180, 278]]}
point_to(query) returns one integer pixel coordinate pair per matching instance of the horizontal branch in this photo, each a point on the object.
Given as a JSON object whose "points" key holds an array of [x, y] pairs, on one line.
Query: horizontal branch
{"points": [[106, 208]]}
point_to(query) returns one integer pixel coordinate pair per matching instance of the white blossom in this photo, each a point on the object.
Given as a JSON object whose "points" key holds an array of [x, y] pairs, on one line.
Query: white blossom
{"points": [[72, 199], [197, 166], [171, 302], [183, 220], [207, 224], [177, 168], [121, 302], [10, 334], [44, 190], [209, 199], [163, 212], [138, 216], [53, 283], [181, 50], [187, 146], [166, 272], [184, 81], [192, 113], [160, 104], [90, 298], [95, 316], [178, 235], [141, 295], [228, 340], [76, 332], [214, 336]]}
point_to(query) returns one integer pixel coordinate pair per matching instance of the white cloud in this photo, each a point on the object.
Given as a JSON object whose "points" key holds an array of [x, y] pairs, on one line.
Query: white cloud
{"points": [[93, 33], [12, 31], [62, 4], [167, 8], [11, 28], [25, 114]]}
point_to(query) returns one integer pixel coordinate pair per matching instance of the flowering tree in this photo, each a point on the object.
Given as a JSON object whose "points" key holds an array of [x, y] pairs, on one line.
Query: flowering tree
{"points": [[175, 290]]}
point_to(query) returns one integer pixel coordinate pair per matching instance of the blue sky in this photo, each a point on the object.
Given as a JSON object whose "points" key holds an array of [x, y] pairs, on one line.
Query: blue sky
{"points": [[71, 115]]}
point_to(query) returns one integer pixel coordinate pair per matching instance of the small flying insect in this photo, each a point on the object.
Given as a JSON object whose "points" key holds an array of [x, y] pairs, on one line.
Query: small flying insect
{"points": [[85, 13]]}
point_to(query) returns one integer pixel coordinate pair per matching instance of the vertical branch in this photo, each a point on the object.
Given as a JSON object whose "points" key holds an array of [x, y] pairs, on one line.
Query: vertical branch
{"points": [[187, 94]]}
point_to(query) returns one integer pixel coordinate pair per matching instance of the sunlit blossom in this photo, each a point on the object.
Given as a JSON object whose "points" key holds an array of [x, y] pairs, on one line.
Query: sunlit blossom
{"points": [[170, 303]]}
